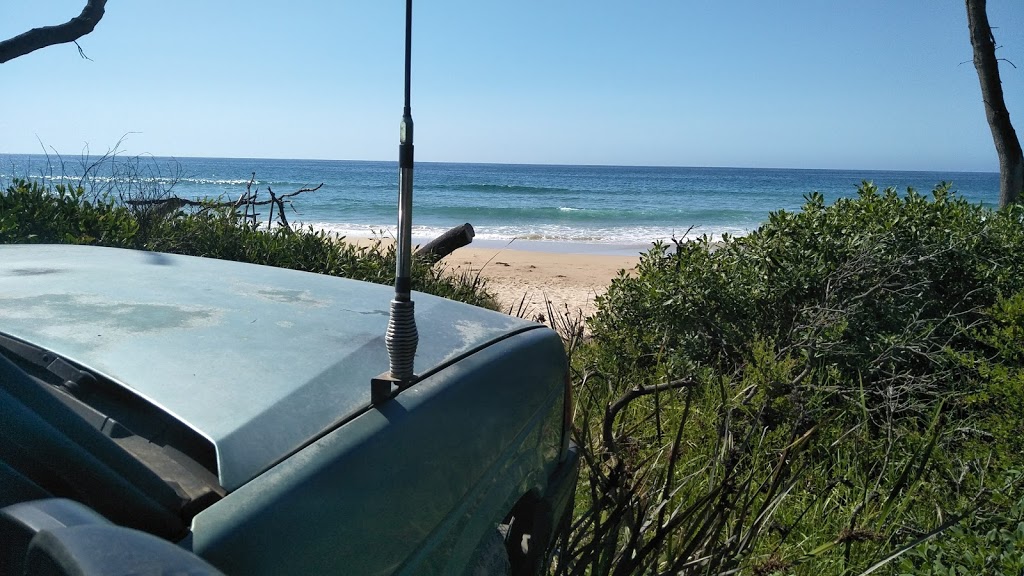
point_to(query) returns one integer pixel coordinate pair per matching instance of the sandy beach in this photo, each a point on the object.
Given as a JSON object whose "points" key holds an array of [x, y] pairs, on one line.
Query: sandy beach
{"points": [[524, 280], [528, 278]]}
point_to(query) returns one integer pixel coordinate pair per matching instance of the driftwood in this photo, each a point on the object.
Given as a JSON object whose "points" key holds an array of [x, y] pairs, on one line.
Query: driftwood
{"points": [[432, 251], [248, 201], [174, 202], [447, 243]]}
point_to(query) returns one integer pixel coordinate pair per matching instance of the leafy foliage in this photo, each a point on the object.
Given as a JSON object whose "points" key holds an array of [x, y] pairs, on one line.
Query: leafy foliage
{"points": [[30, 212], [834, 392], [991, 542]]}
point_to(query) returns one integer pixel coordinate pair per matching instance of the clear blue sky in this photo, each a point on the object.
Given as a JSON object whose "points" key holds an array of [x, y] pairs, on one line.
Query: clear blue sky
{"points": [[869, 84]]}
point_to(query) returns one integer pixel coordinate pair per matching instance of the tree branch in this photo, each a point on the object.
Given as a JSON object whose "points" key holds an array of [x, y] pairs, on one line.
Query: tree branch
{"points": [[612, 411], [42, 37]]}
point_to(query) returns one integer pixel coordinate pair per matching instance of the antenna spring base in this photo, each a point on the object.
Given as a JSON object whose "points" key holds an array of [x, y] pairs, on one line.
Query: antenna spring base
{"points": [[401, 339]]}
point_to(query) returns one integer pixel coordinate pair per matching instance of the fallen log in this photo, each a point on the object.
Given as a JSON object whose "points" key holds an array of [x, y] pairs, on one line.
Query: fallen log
{"points": [[447, 243]]}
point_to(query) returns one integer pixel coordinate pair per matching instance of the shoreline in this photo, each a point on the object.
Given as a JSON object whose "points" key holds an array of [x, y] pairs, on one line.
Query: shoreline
{"points": [[566, 247], [557, 247]]}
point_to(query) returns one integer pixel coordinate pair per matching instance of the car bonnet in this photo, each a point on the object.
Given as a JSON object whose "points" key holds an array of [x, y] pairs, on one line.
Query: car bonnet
{"points": [[258, 360]]}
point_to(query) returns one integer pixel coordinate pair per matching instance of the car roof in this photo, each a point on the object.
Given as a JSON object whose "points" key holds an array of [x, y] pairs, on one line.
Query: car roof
{"points": [[258, 360]]}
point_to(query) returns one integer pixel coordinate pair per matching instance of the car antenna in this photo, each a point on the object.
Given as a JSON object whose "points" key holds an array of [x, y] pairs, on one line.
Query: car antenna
{"points": [[401, 338]]}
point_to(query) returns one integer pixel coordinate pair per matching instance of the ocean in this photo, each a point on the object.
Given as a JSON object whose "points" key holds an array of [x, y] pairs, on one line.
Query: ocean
{"points": [[593, 209]]}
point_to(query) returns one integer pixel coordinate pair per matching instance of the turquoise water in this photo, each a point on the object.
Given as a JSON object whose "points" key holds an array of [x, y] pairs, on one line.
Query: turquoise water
{"points": [[589, 208]]}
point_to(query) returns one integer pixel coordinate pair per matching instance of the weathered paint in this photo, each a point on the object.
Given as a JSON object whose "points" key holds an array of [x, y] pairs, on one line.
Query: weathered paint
{"points": [[258, 360]]}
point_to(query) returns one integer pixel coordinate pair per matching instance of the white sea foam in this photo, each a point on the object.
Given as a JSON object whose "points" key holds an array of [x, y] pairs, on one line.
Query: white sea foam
{"points": [[617, 236], [220, 182]]}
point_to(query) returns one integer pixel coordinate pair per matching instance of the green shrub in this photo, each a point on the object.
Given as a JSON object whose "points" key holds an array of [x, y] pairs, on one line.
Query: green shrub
{"points": [[843, 382], [900, 267], [994, 401], [991, 542], [32, 213]]}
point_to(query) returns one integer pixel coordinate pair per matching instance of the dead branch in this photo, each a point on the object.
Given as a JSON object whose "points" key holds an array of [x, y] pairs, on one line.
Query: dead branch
{"points": [[171, 203], [247, 200], [632, 394], [248, 188], [276, 201], [177, 202]]}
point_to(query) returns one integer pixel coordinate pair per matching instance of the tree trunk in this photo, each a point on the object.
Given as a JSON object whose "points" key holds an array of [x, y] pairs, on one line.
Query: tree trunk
{"points": [[69, 31], [1011, 159]]}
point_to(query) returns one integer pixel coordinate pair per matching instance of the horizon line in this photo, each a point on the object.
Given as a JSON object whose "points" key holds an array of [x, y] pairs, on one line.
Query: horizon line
{"points": [[114, 154]]}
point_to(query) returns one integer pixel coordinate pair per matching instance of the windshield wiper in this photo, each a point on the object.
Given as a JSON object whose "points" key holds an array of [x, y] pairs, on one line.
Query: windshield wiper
{"points": [[71, 378]]}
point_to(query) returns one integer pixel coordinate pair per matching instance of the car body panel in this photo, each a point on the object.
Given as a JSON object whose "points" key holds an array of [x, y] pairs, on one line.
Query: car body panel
{"points": [[261, 361], [410, 485]]}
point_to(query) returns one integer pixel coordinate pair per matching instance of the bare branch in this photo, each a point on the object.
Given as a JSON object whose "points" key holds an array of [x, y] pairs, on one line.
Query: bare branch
{"points": [[632, 394], [44, 36], [81, 52], [175, 202], [301, 190], [277, 201]]}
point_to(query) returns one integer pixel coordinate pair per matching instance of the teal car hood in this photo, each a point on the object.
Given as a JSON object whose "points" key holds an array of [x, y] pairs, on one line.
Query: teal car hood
{"points": [[258, 360]]}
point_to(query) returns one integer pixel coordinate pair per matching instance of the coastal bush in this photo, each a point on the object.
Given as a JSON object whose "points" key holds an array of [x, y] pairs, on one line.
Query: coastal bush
{"points": [[840, 387], [900, 264], [990, 541], [33, 213]]}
